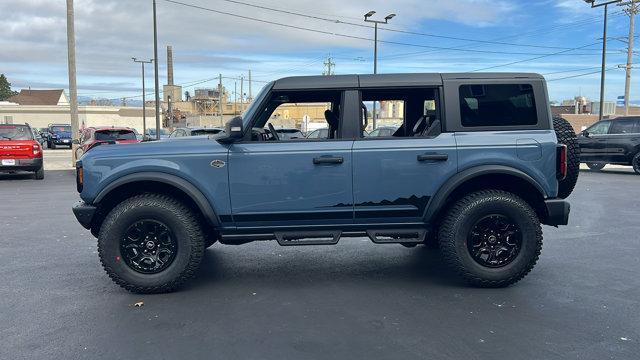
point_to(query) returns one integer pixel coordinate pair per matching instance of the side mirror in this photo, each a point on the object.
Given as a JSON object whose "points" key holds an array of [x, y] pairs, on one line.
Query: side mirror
{"points": [[233, 130], [585, 133], [75, 142]]}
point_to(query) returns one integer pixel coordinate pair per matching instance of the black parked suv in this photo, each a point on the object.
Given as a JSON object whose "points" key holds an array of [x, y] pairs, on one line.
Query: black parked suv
{"points": [[614, 141]]}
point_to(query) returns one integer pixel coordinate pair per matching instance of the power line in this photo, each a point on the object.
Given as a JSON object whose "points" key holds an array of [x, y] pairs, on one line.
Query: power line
{"points": [[581, 75], [336, 21], [350, 36], [531, 59]]}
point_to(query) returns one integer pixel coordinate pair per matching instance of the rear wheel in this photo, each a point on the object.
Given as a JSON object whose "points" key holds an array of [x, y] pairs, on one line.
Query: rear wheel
{"points": [[567, 136], [636, 163], [151, 243], [39, 175], [491, 238], [596, 166]]}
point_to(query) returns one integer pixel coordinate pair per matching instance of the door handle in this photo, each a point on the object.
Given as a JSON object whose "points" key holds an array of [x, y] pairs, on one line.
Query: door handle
{"points": [[433, 157], [328, 160]]}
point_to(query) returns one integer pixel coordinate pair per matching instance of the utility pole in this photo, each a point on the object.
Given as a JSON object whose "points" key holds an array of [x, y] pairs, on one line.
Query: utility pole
{"points": [[144, 97], [367, 17], [329, 65], [73, 86], [220, 108], [604, 49], [241, 94], [631, 10], [235, 98], [155, 60], [250, 89]]}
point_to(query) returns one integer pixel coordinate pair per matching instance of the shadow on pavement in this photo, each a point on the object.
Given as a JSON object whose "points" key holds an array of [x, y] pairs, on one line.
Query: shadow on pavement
{"points": [[305, 270]]}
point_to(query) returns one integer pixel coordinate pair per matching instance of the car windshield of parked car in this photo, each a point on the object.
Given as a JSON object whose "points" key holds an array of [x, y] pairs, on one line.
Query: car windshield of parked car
{"points": [[601, 128], [61, 128], [15, 132], [200, 132], [115, 135]]}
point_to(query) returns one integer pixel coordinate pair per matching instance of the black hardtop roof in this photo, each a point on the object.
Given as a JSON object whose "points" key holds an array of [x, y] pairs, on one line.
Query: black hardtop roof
{"points": [[385, 80]]}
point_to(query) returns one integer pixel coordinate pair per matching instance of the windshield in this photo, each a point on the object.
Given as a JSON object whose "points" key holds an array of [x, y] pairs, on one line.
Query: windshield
{"points": [[15, 132], [60, 128], [251, 110], [114, 135]]}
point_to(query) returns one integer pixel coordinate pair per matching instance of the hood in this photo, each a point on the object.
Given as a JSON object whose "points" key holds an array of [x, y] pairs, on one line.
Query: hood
{"points": [[158, 149]]}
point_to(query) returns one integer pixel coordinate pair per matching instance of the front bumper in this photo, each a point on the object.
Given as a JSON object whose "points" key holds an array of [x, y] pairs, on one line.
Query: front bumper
{"points": [[84, 213], [557, 212], [24, 165]]}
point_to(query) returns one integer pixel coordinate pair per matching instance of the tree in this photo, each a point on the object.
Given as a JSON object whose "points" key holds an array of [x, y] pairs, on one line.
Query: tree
{"points": [[5, 88]]}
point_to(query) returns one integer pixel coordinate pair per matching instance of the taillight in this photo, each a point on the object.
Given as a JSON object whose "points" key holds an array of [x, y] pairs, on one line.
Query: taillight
{"points": [[37, 150], [561, 162], [79, 176]]}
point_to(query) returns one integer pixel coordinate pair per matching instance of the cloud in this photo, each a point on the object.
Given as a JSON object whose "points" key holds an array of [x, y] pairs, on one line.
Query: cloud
{"points": [[110, 32]]}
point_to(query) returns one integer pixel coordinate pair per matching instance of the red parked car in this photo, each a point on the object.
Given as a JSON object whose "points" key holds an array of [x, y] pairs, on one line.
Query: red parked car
{"points": [[19, 151], [94, 136]]}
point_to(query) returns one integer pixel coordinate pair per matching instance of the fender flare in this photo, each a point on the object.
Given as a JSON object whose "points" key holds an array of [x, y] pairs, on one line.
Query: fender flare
{"points": [[185, 186], [440, 198]]}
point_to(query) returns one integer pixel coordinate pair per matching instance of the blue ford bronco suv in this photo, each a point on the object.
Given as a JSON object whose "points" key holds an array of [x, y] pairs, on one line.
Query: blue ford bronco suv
{"points": [[476, 165]]}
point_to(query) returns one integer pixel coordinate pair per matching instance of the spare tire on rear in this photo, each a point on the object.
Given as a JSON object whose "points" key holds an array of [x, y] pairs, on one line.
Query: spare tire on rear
{"points": [[567, 136]]}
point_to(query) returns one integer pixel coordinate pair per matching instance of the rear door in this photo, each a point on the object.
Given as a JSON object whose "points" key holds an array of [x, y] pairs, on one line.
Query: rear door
{"points": [[623, 140], [395, 176]]}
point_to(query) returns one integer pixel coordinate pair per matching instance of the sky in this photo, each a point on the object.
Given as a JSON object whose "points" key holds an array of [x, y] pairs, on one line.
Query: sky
{"points": [[559, 39]]}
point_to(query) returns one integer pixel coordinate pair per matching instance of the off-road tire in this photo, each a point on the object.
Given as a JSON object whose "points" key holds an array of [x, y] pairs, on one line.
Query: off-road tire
{"points": [[596, 166], [567, 136], [180, 220], [459, 221], [39, 174], [636, 163]]}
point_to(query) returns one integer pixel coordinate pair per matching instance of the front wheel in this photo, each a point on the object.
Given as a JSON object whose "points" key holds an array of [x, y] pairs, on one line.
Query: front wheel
{"points": [[151, 243], [491, 238], [596, 166]]}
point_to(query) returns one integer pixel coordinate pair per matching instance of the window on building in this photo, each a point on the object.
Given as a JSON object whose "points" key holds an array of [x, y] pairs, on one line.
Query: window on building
{"points": [[624, 127], [497, 105]]}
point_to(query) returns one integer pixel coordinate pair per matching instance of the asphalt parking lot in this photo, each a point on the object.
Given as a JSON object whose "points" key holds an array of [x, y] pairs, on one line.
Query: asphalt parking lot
{"points": [[355, 300]]}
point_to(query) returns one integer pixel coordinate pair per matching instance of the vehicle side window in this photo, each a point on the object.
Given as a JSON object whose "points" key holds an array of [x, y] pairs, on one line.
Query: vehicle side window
{"points": [[400, 113], [293, 114], [601, 128], [497, 105], [623, 127]]}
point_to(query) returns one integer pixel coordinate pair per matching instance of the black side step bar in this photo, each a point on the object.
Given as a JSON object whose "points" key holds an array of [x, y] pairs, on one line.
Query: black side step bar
{"points": [[397, 236], [296, 238]]}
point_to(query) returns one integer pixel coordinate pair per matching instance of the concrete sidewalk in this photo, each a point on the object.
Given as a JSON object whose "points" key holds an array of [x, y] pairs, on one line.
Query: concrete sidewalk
{"points": [[57, 159]]}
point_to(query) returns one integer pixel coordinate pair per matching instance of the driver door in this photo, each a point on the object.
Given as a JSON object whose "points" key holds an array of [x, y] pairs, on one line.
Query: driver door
{"points": [[277, 183]]}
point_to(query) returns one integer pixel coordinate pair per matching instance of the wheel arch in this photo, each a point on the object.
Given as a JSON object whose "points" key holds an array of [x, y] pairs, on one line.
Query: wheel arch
{"points": [[158, 182], [498, 177]]}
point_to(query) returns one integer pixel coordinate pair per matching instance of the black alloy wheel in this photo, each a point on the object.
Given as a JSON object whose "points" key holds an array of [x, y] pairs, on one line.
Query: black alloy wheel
{"points": [[148, 247], [494, 241]]}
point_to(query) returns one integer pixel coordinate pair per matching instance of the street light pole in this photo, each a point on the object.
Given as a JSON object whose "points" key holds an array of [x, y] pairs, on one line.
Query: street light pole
{"points": [[604, 50], [144, 98], [155, 59], [367, 18]]}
